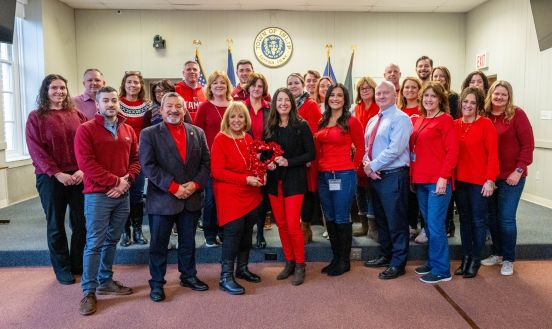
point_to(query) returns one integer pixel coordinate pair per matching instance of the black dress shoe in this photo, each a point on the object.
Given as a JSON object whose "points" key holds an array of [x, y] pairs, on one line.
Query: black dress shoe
{"points": [[391, 272], [194, 283], [378, 262], [243, 273], [157, 294]]}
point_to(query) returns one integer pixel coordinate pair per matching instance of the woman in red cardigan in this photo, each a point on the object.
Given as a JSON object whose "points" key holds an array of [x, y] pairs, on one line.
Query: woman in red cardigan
{"points": [[308, 110], [237, 195], [476, 173], [434, 153], [50, 133], [515, 153], [337, 132], [365, 109]]}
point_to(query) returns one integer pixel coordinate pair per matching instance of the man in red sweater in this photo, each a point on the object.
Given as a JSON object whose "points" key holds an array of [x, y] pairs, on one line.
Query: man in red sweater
{"points": [[190, 89], [107, 153]]}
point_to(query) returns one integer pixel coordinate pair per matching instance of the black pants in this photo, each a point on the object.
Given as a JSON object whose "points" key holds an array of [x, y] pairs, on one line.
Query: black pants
{"points": [[310, 210], [238, 234], [55, 197], [160, 229]]}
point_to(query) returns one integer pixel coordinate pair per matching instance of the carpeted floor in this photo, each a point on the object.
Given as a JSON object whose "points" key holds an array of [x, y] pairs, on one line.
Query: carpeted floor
{"points": [[31, 298]]}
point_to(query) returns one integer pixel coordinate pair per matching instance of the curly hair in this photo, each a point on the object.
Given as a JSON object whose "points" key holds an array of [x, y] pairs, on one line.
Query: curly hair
{"points": [[43, 100], [441, 93]]}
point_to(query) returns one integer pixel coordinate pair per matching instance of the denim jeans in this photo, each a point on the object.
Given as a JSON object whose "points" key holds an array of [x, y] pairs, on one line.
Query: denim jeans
{"points": [[502, 218], [391, 206], [105, 218], [160, 228], [472, 208], [210, 222], [336, 205], [364, 201], [55, 197], [434, 210]]}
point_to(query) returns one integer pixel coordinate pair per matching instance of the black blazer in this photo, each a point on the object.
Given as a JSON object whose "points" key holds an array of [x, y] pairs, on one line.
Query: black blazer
{"points": [[299, 151], [162, 163]]}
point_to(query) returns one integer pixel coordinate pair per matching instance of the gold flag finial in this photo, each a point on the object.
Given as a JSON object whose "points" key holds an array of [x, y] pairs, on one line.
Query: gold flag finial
{"points": [[354, 48], [328, 47], [196, 43], [229, 42]]}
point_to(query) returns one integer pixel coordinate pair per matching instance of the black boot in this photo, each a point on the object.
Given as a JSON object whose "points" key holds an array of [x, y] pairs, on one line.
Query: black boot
{"points": [[288, 270], [461, 270], [242, 272], [125, 237], [137, 216], [332, 233], [472, 268], [345, 237], [227, 282]]}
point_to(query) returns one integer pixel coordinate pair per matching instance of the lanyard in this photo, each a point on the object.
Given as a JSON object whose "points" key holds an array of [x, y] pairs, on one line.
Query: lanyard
{"points": [[422, 128]]}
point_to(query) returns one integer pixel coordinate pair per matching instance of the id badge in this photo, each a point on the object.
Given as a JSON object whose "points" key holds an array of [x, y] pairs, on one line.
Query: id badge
{"points": [[334, 184], [412, 157]]}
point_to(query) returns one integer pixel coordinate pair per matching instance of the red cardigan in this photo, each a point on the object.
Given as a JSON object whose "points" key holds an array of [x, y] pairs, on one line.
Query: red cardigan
{"points": [[104, 158], [209, 118], [50, 139], [434, 144], [234, 198], [478, 157], [333, 147], [515, 143]]}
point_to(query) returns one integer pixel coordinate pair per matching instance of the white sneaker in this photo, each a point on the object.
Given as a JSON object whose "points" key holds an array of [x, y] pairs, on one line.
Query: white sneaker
{"points": [[507, 268], [325, 235], [422, 237], [492, 260]]}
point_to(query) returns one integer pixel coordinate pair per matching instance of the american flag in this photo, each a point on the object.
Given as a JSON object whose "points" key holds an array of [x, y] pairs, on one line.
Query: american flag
{"points": [[202, 79]]}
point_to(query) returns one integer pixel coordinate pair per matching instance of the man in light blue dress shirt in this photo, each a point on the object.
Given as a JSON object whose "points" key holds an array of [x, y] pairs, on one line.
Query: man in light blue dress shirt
{"points": [[387, 165]]}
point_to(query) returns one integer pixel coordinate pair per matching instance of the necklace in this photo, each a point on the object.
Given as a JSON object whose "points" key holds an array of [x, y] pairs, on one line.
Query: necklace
{"points": [[239, 151], [218, 110]]}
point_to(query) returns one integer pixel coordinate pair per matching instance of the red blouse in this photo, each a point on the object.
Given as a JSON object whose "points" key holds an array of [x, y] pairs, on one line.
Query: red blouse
{"points": [[478, 153], [434, 149], [230, 168], [333, 147]]}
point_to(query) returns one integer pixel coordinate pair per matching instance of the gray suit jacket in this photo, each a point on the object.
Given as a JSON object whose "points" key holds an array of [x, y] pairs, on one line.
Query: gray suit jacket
{"points": [[162, 163]]}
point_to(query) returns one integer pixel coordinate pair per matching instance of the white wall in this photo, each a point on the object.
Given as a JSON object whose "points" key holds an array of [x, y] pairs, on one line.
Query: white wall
{"points": [[118, 42], [505, 29]]}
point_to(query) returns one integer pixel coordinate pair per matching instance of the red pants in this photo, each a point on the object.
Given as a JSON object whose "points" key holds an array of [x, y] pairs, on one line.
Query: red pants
{"points": [[287, 212]]}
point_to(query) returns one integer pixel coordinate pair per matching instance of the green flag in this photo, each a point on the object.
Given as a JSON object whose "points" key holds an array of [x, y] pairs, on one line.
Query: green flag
{"points": [[349, 78]]}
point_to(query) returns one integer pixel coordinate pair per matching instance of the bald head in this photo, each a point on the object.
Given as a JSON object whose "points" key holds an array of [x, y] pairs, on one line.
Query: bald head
{"points": [[385, 95]]}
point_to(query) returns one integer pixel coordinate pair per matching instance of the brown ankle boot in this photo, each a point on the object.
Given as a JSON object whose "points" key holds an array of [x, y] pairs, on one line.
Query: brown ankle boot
{"points": [[373, 229], [298, 275], [307, 232], [363, 229]]}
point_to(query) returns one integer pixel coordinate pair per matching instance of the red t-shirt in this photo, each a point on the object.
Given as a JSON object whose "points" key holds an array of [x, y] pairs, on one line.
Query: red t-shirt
{"points": [[478, 152], [434, 149], [333, 147], [515, 143], [209, 118], [230, 167]]}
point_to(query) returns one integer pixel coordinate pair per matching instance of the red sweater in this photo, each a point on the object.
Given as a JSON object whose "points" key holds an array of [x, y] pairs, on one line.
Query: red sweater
{"points": [[435, 146], [478, 153], [134, 114], [515, 143], [209, 118], [104, 158], [239, 94], [364, 114], [50, 139], [311, 113], [234, 198], [193, 97], [333, 147]]}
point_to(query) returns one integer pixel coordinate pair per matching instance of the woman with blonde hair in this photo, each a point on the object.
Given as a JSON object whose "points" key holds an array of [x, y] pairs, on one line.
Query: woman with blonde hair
{"points": [[515, 153]]}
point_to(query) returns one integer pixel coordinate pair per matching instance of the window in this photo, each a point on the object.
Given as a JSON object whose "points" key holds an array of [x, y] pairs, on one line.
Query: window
{"points": [[12, 97]]}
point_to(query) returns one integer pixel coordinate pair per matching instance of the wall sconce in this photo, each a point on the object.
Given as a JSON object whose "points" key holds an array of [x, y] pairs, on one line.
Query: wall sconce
{"points": [[158, 42]]}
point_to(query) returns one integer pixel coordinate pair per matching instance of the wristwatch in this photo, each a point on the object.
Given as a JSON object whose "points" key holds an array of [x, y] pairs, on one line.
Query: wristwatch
{"points": [[519, 170]]}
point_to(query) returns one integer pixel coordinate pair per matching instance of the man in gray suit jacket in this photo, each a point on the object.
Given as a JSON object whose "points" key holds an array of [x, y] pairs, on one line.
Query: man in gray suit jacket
{"points": [[175, 159]]}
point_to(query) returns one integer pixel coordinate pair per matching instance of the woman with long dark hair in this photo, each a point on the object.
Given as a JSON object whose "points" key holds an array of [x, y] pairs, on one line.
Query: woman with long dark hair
{"points": [[50, 133], [287, 178], [337, 132]]}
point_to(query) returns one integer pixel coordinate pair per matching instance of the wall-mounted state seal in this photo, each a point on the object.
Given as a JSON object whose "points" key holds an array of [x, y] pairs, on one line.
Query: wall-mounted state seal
{"points": [[273, 47]]}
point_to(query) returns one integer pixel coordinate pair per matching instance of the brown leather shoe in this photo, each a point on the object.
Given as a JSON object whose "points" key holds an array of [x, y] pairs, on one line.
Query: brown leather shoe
{"points": [[113, 288], [88, 304], [307, 232]]}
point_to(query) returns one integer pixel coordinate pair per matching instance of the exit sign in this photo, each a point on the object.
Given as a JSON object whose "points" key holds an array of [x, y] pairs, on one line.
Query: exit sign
{"points": [[481, 61]]}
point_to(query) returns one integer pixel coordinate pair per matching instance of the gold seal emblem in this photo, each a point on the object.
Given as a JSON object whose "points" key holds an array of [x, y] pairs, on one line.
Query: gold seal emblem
{"points": [[273, 47]]}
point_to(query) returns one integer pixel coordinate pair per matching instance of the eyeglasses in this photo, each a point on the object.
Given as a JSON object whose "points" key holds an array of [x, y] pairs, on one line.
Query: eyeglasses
{"points": [[161, 91], [365, 89]]}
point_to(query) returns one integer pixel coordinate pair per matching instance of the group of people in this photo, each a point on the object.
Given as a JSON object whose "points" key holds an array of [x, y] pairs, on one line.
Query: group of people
{"points": [[402, 152]]}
